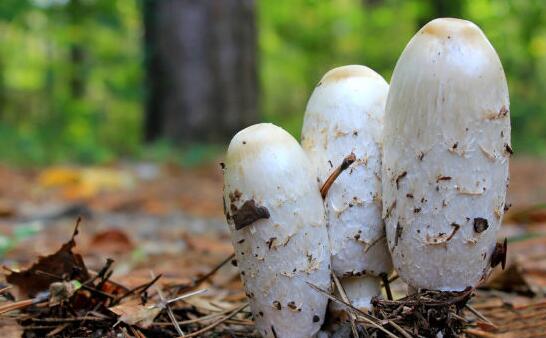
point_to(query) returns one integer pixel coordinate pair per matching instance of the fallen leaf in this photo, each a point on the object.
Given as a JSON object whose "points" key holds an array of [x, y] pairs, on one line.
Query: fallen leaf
{"points": [[58, 176], [136, 314], [63, 264], [81, 183], [112, 241], [7, 208]]}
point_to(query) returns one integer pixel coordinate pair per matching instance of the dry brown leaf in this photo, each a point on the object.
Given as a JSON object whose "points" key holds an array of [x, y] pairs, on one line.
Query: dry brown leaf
{"points": [[112, 241], [136, 314], [81, 183], [64, 264], [7, 208]]}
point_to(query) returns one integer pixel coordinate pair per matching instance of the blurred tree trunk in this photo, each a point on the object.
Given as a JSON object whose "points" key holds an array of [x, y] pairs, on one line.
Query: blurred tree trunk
{"points": [[77, 51], [201, 69], [441, 9], [372, 3]]}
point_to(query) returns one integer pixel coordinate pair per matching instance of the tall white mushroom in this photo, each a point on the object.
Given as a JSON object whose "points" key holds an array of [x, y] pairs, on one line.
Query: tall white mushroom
{"points": [[278, 228], [446, 151], [344, 115]]}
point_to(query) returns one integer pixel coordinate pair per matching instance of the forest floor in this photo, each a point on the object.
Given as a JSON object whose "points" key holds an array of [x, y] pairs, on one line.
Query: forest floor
{"points": [[167, 221]]}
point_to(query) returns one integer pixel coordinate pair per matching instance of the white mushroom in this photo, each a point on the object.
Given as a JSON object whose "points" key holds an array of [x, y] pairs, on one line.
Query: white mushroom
{"points": [[446, 151], [344, 115], [278, 227]]}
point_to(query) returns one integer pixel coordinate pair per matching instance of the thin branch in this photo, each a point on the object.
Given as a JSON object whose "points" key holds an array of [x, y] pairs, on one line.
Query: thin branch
{"points": [[167, 307], [387, 285], [216, 323], [366, 317], [347, 161], [186, 295], [345, 299], [479, 315], [206, 276], [399, 329], [84, 286], [144, 287]]}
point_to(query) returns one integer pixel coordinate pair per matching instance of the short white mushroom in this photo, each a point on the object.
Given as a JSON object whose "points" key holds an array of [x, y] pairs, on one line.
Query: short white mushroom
{"points": [[345, 114], [278, 228], [446, 151]]}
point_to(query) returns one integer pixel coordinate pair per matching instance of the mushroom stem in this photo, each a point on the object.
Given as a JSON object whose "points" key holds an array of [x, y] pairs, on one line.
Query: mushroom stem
{"points": [[360, 291], [347, 161], [410, 290]]}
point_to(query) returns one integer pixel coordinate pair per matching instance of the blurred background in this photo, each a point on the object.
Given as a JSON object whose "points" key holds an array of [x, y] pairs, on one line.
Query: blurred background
{"points": [[92, 81], [120, 111]]}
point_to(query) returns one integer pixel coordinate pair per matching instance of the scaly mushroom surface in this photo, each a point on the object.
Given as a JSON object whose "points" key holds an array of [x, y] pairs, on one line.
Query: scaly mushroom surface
{"points": [[344, 115], [446, 151], [278, 228]]}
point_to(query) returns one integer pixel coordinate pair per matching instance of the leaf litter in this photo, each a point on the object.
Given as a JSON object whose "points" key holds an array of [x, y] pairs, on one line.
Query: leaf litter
{"points": [[62, 298]]}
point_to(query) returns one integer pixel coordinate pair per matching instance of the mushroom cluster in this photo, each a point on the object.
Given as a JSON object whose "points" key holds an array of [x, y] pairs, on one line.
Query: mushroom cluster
{"points": [[421, 187]]}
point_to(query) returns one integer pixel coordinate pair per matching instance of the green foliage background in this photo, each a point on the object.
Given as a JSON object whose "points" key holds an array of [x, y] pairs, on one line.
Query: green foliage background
{"points": [[42, 120]]}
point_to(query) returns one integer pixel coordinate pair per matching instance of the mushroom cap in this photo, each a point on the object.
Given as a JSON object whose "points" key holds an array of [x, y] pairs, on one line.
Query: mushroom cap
{"points": [[278, 255], [345, 114], [445, 160]]}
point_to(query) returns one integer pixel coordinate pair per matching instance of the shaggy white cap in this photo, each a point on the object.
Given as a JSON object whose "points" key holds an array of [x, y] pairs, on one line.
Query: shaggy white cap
{"points": [[278, 227], [344, 115], [447, 144]]}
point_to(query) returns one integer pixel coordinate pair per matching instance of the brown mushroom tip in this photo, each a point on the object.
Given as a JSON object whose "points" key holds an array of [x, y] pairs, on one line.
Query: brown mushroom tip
{"points": [[451, 28], [346, 72]]}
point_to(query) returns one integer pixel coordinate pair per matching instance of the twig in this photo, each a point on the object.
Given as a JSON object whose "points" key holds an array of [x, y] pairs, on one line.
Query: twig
{"points": [[370, 319], [206, 276], [216, 323], [387, 285], [394, 277], [16, 306], [168, 308], [57, 330], [195, 320], [144, 287], [110, 281], [104, 273], [4, 289], [399, 329], [479, 333], [186, 295], [76, 228], [347, 161], [40, 298], [136, 332], [67, 320], [87, 287], [345, 299], [479, 315]]}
